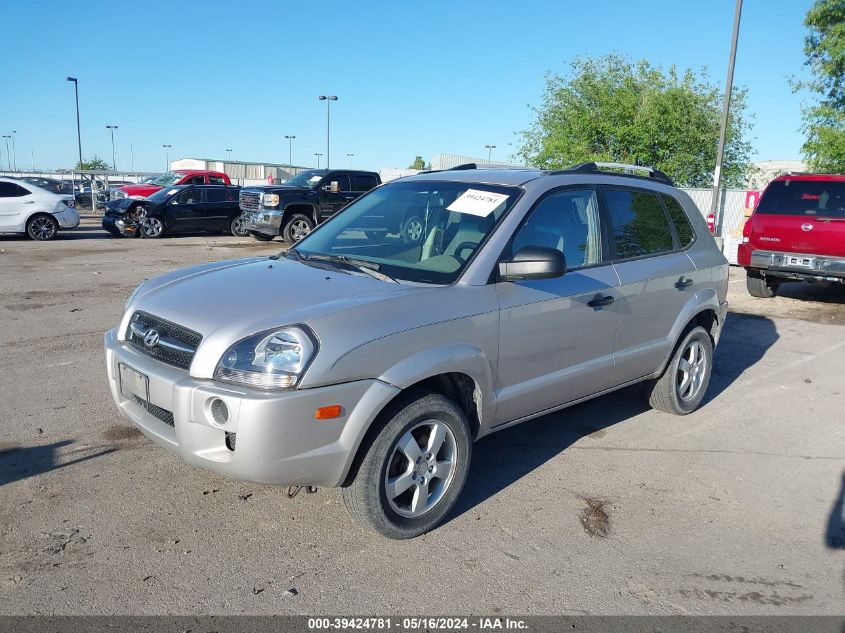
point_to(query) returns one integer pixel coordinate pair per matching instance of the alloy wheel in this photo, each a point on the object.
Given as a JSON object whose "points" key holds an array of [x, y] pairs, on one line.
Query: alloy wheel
{"points": [[299, 229], [153, 227], [43, 228], [691, 370]]}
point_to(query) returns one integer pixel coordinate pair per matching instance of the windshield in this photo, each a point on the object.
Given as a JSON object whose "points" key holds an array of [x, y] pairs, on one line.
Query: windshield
{"points": [[307, 179], [421, 231], [816, 198], [167, 178], [162, 194]]}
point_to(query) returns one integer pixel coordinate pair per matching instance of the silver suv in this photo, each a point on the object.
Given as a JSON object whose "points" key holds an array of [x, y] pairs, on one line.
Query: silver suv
{"points": [[372, 361]]}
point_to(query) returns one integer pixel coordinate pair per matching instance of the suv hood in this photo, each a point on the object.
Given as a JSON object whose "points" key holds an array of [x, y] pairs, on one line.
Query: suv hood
{"points": [[229, 301]]}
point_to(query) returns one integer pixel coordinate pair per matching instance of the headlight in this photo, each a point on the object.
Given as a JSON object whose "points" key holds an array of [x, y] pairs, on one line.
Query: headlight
{"points": [[275, 359], [133, 295], [70, 203], [270, 199]]}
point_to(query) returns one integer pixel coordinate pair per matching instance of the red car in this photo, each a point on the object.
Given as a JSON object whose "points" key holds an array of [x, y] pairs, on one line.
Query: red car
{"points": [[796, 233], [152, 184]]}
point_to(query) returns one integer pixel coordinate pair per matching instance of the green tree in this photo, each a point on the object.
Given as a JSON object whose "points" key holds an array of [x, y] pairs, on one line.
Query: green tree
{"points": [[95, 162], [612, 109], [824, 122], [419, 163]]}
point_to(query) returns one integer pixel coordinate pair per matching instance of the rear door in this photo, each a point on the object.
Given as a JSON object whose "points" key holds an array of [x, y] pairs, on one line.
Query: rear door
{"points": [[657, 279], [800, 216], [186, 211], [335, 193], [15, 204], [220, 206]]}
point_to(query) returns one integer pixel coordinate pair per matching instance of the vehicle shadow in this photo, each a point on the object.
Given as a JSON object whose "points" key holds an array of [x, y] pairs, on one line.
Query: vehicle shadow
{"points": [[27, 461], [835, 534], [503, 458], [815, 293]]}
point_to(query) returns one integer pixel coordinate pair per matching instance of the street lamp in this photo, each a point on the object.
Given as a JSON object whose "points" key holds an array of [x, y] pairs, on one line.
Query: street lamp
{"points": [[328, 99], [490, 149], [14, 151], [230, 155], [8, 155], [167, 157], [350, 159], [78, 132], [290, 138], [113, 162], [318, 154]]}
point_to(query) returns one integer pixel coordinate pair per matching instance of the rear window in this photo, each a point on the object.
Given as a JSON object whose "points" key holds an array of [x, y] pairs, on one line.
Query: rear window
{"points": [[814, 198]]}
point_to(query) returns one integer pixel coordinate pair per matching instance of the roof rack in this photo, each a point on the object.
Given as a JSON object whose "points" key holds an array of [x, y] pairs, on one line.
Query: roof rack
{"points": [[455, 168], [597, 167]]}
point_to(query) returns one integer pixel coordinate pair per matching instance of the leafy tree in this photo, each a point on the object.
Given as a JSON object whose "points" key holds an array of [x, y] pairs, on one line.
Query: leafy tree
{"points": [[419, 163], [95, 162], [824, 122], [612, 109]]}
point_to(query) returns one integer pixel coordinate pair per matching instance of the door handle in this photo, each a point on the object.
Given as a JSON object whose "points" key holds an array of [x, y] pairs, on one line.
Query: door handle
{"points": [[29, 202], [684, 283], [599, 301]]}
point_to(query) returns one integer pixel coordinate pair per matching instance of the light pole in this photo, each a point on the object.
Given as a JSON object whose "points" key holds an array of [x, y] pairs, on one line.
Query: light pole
{"points": [[290, 138], [131, 157], [490, 149], [78, 132], [112, 128], [8, 155], [726, 106], [318, 154], [14, 151], [328, 99], [350, 159], [230, 154], [167, 157]]}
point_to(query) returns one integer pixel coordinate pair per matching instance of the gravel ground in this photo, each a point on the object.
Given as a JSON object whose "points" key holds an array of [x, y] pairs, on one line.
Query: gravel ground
{"points": [[605, 508]]}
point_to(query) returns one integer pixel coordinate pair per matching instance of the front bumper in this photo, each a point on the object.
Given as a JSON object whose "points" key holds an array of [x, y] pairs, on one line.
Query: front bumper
{"points": [[266, 221], [276, 438], [798, 265], [118, 227], [67, 218]]}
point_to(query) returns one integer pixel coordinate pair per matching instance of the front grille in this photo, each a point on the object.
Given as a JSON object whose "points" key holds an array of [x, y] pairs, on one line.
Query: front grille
{"points": [[249, 201], [162, 414], [175, 345]]}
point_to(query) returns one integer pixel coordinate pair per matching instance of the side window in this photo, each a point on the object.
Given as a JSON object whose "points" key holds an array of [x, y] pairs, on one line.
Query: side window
{"points": [[342, 181], [363, 182], [567, 220], [189, 196], [8, 190], [216, 180], [639, 225], [679, 218], [215, 194], [194, 180]]}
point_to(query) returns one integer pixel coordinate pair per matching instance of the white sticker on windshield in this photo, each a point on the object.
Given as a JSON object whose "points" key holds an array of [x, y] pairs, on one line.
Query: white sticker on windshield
{"points": [[171, 192], [475, 202], [314, 178]]}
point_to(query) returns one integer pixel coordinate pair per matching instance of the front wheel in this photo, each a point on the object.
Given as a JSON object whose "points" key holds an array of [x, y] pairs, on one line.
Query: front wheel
{"points": [[413, 472], [237, 227], [152, 227], [298, 226], [261, 237], [42, 227], [681, 387]]}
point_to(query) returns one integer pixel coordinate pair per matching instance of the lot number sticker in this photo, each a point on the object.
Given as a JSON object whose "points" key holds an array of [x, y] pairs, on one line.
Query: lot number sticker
{"points": [[475, 202]]}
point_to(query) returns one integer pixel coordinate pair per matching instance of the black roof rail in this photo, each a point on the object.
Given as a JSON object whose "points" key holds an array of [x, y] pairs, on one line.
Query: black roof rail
{"points": [[598, 167], [455, 168]]}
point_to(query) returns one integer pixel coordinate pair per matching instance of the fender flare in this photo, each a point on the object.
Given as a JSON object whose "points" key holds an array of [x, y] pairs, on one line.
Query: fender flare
{"points": [[701, 301], [286, 212]]}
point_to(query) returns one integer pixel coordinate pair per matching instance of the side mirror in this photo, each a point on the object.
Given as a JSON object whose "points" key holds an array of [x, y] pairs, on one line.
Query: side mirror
{"points": [[533, 262]]}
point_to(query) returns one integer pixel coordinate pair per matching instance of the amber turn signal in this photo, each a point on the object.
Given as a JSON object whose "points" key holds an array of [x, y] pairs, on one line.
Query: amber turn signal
{"points": [[328, 413]]}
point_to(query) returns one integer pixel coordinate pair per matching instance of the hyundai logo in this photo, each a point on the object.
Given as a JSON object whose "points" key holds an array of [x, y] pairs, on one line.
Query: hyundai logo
{"points": [[806, 227], [151, 337]]}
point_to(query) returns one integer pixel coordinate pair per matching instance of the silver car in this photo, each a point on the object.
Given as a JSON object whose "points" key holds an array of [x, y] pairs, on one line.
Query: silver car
{"points": [[372, 362]]}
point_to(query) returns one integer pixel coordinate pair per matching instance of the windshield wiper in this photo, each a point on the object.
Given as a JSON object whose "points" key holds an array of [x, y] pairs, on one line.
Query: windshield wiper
{"points": [[361, 265]]}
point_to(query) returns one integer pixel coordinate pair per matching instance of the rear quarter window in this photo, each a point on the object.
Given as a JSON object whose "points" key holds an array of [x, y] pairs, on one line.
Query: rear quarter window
{"points": [[679, 218]]}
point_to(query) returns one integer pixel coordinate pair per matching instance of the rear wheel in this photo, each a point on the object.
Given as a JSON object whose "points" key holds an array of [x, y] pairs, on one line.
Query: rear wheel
{"points": [[413, 472], [42, 227], [760, 287], [298, 226], [238, 228], [681, 387]]}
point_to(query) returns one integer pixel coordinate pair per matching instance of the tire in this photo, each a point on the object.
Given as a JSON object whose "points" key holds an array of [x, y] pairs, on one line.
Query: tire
{"points": [[152, 227], [42, 227], [412, 230], [391, 459], [681, 387], [298, 226], [236, 227], [261, 237], [760, 288]]}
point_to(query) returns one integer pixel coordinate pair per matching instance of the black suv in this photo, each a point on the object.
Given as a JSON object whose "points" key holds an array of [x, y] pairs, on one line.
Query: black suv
{"points": [[295, 207], [177, 209]]}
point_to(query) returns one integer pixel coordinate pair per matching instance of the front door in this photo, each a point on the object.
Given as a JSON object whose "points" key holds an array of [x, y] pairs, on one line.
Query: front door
{"points": [[335, 193], [656, 276], [186, 211], [557, 335]]}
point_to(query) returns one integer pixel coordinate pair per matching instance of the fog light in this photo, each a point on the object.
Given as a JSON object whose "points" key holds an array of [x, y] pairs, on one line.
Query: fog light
{"points": [[219, 411]]}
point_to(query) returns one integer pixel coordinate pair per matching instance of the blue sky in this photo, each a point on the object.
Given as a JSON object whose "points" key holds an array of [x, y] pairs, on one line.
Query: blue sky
{"points": [[412, 77]]}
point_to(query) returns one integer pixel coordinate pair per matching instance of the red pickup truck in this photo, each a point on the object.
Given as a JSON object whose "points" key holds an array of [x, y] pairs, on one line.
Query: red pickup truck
{"points": [[152, 184], [796, 233]]}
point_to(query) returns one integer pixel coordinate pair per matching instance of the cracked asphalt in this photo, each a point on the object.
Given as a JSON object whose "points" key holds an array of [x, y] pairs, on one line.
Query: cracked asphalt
{"points": [[735, 509]]}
